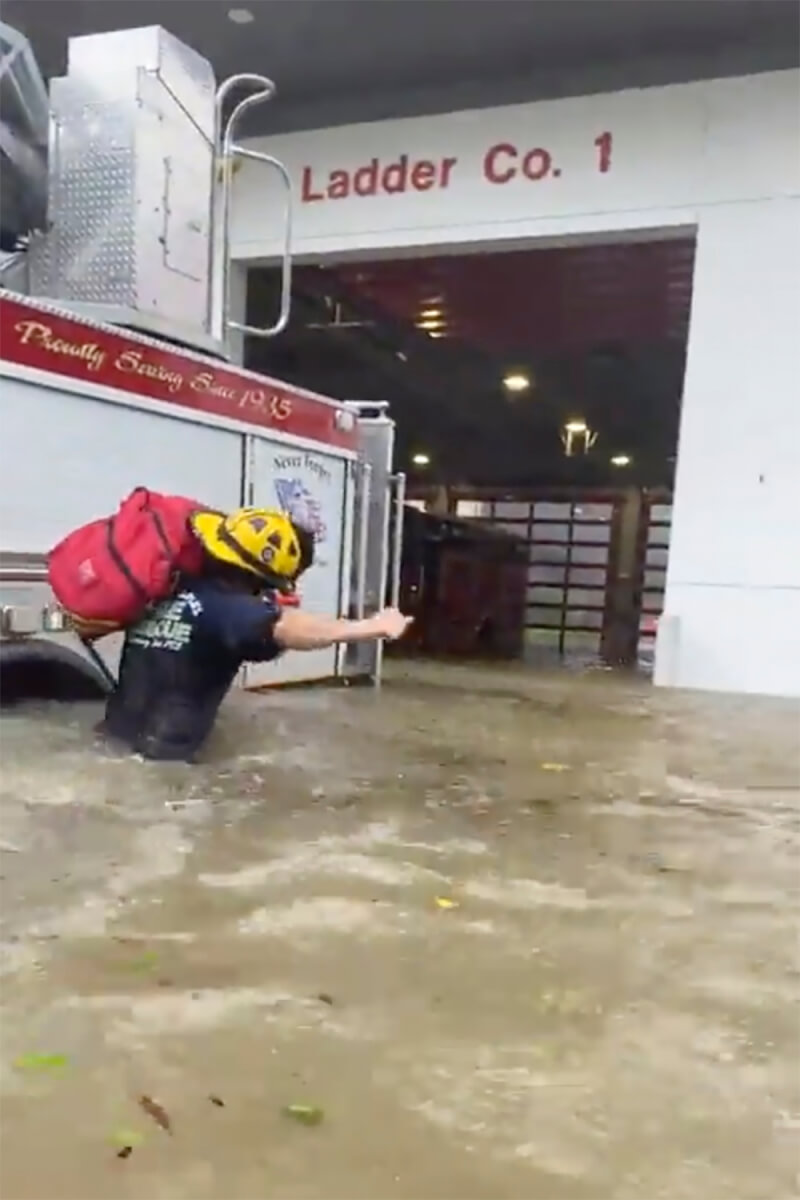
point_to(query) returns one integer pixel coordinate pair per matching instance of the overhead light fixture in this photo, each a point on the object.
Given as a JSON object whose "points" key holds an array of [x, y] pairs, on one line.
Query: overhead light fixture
{"points": [[577, 437], [430, 312], [621, 460], [428, 323], [516, 382], [240, 16], [421, 460]]}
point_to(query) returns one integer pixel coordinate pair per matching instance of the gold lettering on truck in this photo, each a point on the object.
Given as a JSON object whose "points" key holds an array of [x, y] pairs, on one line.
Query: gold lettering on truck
{"points": [[133, 362], [273, 405], [205, 382], [269, 404], [35, 333]]}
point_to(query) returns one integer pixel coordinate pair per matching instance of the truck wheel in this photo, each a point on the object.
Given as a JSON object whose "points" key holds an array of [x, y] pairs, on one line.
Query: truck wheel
{"points": [[37, 669]]}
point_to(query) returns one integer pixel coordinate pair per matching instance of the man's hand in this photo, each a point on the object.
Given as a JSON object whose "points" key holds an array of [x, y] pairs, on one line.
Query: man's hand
{"points": [[391, 623], [298, 630]]}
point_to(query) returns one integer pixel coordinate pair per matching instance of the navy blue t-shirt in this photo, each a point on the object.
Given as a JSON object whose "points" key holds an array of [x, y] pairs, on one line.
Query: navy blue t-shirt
{"points": [[179, 661]]}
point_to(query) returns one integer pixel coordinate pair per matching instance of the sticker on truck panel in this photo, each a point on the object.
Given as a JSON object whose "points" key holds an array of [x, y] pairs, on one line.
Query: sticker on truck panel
{"points": [[302, 506]]}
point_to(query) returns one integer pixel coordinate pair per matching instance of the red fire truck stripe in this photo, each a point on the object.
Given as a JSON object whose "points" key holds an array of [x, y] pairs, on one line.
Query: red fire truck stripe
{"points": [[36, 336]]}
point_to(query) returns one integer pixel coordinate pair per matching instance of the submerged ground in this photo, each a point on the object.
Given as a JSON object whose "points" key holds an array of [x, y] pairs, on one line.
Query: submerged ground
{"points": [[506, 936]]}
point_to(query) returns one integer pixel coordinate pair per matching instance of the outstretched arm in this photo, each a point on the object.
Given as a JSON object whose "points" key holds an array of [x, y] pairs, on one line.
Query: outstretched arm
{"points": [[298, 630]]}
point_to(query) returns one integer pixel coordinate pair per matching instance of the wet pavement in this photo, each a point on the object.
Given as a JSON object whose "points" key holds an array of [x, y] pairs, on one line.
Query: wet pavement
{"points": [[507, 936]]}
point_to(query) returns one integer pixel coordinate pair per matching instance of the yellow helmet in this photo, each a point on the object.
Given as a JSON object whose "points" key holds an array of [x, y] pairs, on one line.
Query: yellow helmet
{"points": [[260, 540]]}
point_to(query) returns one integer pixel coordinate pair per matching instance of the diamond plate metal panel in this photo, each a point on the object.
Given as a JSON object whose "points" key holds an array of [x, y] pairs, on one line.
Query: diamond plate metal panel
{"points": [[131, 180]]}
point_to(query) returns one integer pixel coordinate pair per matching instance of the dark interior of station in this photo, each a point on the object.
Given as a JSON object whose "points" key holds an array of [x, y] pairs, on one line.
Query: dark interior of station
{"points": [[486, 359], [537, 393]]}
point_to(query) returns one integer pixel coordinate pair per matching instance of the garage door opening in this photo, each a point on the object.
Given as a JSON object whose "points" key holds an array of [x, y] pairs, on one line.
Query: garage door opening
{"points": [[538, 389]]}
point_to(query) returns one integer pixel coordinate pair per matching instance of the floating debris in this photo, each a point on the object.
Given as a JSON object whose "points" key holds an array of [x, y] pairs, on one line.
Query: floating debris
{"points": [[325, 998], [127, 1140], [304, 1114], [41, 1062], [446, 902], [156, 1112], [554, 766], [142, 962], [217, 1101]]}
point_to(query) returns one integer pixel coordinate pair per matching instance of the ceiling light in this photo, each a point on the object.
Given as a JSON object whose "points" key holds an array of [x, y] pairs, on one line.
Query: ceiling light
{"points": [[621, 460], [430, 323], [430, 312], [240, 16], [421, 460], [516, 382], [577, 437]]}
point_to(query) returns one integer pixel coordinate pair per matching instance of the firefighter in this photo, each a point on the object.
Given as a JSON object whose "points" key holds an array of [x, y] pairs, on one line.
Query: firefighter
{"points": [[180, 660]]}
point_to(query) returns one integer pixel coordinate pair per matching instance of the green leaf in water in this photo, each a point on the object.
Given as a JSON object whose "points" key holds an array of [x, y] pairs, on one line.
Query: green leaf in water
{"points": [[41, 1062], [142, 962], [126, 1137], [305, 1114]]}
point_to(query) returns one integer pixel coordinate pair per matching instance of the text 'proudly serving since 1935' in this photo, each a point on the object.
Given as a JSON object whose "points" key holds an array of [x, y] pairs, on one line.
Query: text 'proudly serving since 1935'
{"points": [[36, 338]]}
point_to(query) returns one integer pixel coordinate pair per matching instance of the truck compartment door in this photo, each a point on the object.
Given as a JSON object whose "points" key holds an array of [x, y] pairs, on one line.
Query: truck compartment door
{"points": [[66, 458]]}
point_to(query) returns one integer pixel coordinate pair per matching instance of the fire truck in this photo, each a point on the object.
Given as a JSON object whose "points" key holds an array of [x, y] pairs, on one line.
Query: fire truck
{"points": [[116, 346]]}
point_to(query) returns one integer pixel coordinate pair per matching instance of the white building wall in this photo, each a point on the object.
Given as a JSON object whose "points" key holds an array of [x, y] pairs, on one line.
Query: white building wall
{"points": [[675, 151], [721, 157], [732, 609]]}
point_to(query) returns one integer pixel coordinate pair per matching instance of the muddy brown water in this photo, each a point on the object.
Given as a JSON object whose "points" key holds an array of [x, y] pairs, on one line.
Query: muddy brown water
{"points": [[519, 937]]}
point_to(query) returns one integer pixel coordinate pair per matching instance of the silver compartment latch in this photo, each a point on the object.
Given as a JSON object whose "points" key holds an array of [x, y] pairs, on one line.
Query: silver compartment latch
{"points": [[20, 620]]}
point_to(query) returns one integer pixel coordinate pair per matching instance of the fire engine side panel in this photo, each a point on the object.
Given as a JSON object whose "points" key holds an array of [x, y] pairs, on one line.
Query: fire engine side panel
{"points": [[66, 459], [88, 411]]}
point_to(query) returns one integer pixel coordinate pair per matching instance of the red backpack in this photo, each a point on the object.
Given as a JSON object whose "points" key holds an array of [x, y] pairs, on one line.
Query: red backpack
{"points": [[108, 573]]}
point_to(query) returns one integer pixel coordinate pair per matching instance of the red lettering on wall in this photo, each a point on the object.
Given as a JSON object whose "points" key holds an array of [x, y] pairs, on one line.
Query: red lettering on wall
{"points": [[307, 192], [446, 170], [365, 179], [604, 143], [423, 175], [338, 185], [536, 164], [499, 163], [373, 178], [495, 167], [502, 163], [395, 176]]}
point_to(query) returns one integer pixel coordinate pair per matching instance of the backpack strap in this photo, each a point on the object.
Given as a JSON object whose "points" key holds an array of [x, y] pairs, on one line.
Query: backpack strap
{"points": [[119, 561], [98, 662]]}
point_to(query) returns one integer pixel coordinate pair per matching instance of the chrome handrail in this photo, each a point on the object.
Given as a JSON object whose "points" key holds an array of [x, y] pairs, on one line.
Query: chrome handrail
{"points": [[399, 481], [227, 151], [363, 541]]}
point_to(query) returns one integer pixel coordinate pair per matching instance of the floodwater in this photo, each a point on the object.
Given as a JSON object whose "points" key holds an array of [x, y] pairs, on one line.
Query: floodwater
{"points": [[507, 936]]}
